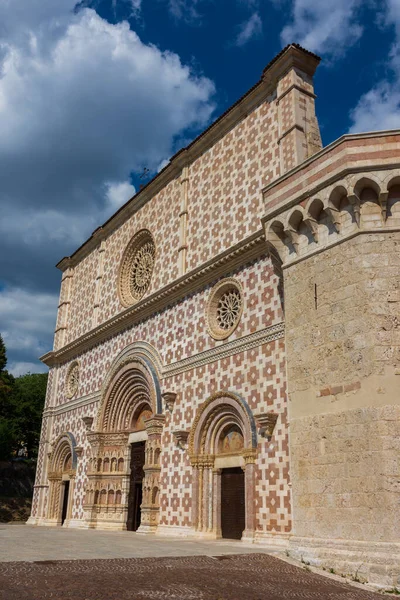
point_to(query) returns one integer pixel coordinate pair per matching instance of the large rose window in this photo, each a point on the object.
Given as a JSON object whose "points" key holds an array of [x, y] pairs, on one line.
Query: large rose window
{"points": [[136, 268]]}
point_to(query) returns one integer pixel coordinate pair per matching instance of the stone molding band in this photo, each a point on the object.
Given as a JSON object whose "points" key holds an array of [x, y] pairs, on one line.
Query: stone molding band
{"points": [[253, 340]]}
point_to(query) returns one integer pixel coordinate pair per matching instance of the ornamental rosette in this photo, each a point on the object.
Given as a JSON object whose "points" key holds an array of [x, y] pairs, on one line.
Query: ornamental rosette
{"points": [[224, 308], [136, 268]]}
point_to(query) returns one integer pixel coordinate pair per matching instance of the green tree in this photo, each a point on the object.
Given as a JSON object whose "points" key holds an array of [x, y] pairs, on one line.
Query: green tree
{"points": [[7, 425], [28, 398], [21, 406]]}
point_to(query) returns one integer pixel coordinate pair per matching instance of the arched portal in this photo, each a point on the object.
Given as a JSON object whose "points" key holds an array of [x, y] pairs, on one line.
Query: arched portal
{"points": [[222, 447], [128, 425], [61, 479]]}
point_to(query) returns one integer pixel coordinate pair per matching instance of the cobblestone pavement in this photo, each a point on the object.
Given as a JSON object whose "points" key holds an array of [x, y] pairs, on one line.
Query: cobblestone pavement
{"points": [[236, 577]]}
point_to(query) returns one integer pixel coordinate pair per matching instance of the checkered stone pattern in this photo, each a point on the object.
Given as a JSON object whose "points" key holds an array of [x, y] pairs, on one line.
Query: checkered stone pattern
{"points": [[180, 331], [225, 185], [82, 296], [71, 421], [258, 376]]}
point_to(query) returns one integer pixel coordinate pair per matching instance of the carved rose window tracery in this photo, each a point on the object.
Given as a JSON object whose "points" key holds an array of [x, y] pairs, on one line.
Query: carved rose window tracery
{"points": [[72, 380], [228, 309], [136, 268], [224, 308]]}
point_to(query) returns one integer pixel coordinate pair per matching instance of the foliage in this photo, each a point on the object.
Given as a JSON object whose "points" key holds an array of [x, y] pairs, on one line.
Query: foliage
{"points": [[21, 406]]}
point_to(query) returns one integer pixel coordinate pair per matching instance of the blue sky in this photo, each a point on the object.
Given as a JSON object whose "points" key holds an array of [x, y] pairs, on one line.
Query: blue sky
{"points": [[92, 93]]}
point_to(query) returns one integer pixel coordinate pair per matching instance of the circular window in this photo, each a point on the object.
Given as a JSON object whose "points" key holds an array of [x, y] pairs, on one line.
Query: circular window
{"points": [[224, 308], [136, 268], [72, 380]]}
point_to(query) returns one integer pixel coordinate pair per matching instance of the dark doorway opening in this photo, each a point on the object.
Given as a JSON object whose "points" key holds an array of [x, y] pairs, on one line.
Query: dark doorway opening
{"points": [[65, 502], [233, 510], [135, 486]]}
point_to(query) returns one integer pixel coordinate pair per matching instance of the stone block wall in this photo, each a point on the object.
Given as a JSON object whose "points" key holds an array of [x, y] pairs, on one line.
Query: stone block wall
{"points": [[343, 357]]}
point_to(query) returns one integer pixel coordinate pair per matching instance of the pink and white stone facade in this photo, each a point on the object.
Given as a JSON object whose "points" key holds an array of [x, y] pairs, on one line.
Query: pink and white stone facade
{"points": [[251, 199]]}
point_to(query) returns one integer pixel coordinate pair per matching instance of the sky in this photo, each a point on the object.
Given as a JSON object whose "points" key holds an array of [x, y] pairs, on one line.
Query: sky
{"points": [[94, 92]]}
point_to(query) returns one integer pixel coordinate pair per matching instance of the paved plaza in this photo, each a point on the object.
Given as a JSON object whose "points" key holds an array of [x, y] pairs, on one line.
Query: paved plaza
{"points": [[37, 564], [25, 543]]}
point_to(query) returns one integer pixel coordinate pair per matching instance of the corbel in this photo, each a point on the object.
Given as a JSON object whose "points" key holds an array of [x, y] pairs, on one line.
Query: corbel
{"points": [[88, 422], [383, 198], [293, 237], [169, 400], [312, 225], [334, 215], [356, 204], [181, 438], [266, 424]]}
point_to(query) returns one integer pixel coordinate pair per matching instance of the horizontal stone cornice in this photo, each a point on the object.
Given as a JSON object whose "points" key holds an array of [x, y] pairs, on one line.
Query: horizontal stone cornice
{"points": [[72, 404], [249, 249], [247, 342]]}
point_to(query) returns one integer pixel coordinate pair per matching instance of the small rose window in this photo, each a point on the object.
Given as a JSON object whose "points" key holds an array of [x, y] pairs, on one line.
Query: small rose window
{"points": [[224, 308], [72, 380]]}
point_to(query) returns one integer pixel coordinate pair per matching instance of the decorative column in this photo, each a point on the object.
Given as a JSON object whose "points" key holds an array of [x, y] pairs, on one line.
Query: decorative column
{"points": [[150, 510], [99, 277], [60, 336], [183, 215], [249, 487], [217, 502]]}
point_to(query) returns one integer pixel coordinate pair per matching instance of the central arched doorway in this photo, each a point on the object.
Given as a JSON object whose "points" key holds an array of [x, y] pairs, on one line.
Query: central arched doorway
{"points": [[222, 447], [123, 473]]}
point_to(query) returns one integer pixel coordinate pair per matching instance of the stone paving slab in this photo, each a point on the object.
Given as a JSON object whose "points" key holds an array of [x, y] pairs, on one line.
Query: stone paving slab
{"points": [[235, 577], [27, 543]]}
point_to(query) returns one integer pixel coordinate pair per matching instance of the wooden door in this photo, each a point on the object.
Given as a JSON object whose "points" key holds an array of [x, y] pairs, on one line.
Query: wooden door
{"points": [[233, 509]]}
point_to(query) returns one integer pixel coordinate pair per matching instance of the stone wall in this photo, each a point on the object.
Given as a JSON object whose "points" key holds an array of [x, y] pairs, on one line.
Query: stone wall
{"points": [[343, 351]]}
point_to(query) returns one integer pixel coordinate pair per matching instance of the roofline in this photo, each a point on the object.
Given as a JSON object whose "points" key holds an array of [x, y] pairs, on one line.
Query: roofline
{"points": [[347, 137], [293, 55]]}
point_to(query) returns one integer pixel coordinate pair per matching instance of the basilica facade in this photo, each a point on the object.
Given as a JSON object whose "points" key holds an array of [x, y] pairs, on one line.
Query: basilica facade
{"points": [[226, 358]]}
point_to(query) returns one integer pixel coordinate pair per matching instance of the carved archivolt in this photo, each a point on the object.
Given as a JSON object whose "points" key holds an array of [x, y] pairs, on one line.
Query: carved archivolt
{"points": [[72, 379], [62, 464], [130, 402], [222, 412], [136, 268], [224, 308], [132, 388], [223, 425]]}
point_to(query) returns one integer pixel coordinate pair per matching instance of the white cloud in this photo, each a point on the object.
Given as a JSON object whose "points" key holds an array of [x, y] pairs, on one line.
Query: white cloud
{"points": [[119, 193], [27, 322], [185, 10], [250, 29], [379, 108], [83, 103], [324, 26], [22, 368]]}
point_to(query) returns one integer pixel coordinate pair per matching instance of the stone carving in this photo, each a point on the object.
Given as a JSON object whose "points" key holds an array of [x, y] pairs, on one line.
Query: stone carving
{"points": [[181, 438], [169, 400], [72, 380], [224, 308], [266, 423], [136, 268]]}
